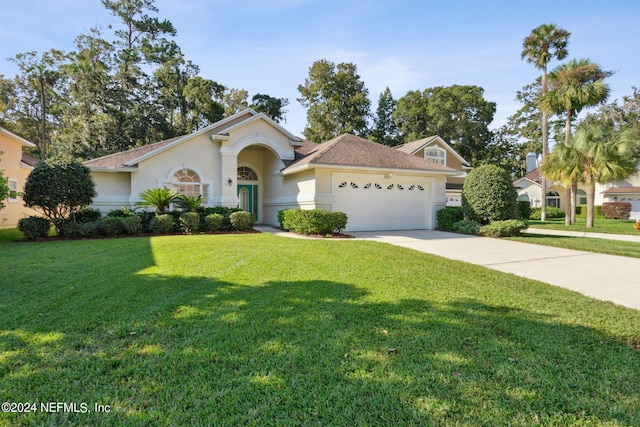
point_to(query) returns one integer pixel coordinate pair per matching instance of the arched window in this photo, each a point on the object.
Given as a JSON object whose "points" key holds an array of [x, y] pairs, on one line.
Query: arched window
{"points": [[187, 182], [246, 174], [553, 199], [435, 154], [581, 197]]}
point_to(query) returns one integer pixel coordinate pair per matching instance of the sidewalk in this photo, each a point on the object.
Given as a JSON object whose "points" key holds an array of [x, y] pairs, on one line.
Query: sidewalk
{"points": [[623, 237]]}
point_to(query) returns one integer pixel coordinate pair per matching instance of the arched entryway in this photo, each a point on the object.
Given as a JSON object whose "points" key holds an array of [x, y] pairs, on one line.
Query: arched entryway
{"points": [[553, 199]]}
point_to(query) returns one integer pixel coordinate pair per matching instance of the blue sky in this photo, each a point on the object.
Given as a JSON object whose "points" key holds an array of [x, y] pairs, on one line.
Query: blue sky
{"points": [[267, 46]]}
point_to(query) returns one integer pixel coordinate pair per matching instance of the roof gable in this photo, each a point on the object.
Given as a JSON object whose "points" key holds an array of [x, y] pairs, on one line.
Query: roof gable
{"points": [[130, 158], [351, 150], [415, 146], [12, 136]]}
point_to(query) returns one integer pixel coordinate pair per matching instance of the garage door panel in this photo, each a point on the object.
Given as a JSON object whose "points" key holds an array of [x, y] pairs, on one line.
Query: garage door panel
{"points": [[382, 204]]}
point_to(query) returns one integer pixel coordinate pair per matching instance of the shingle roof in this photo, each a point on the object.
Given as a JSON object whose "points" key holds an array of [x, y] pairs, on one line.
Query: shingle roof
{"points": [[622, 190], [534, 175], [31, 161], [411, 147], [351, 150], [123, 158]]}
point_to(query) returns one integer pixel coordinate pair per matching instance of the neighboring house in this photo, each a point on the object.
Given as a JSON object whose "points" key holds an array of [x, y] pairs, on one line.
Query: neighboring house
{"points": [[529, 188], [16, 167], [250, 161], [436, 149]]}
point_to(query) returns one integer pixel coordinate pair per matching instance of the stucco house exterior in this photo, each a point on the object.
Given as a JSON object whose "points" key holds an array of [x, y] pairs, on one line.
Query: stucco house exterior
{"points": [[16, 167], [248, 160], [529, 188], [436, 149]]}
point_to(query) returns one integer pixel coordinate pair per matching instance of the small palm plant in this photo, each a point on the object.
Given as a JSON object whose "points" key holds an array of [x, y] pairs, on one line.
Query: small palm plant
{"points": [[189, 203], [157, 198]]}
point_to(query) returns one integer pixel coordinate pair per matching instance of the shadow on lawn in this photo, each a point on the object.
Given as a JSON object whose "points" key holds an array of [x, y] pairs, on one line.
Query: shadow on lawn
{"points": [[167, 350]]}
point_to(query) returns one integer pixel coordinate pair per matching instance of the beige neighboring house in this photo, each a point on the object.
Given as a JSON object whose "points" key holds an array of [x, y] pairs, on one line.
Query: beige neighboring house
{"points": [[16, 167], [529, 188], [250, 161], [435, 148]]}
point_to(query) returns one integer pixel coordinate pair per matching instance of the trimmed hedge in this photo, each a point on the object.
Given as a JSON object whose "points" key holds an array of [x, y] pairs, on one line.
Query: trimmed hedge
{"points": [[162, 224], [34, 227], [448, 216], [616, 210], [524, 209], [213, 222], [190, 221], [507, 228], [314, 221], [551, 213], [581, 212], [242, 221], [467, 226]]}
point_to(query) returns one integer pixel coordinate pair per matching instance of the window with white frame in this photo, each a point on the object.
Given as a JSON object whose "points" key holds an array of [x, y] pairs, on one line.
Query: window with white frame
{"points": [[581, 195], [435, 154], [188, 183], [13, 189]]}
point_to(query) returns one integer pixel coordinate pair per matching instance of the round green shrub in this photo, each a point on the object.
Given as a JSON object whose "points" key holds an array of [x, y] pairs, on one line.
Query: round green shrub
{"points": [[213, 222], [162, 224], [466, 226], [507, 228], [34, 227], [190, 221], [488, 195], [132, 225], [448, 216], [242, 221]]}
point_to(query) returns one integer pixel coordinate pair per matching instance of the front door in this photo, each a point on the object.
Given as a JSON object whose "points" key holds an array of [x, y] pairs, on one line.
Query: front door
{"points": [[248, 198]]}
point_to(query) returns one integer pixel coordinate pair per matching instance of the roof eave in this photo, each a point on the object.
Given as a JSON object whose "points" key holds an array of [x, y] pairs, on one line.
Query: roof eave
{"points": [[385, 170]]}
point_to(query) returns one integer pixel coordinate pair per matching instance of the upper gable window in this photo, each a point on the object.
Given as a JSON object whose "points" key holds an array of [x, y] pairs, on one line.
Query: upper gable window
{"points": [[13, 189], [435, 154]]}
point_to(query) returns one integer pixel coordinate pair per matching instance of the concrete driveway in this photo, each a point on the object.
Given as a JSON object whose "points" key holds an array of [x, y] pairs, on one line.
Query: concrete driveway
{"points": [[605, 277]]}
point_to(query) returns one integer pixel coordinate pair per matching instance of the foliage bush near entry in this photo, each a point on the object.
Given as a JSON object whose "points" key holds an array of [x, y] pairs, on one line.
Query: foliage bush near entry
{"points": [[467, 226], [448, 216], [242, 221], [616, 210], [34, 227], [190, 221], [507, 228], [314, 221], [213, 222], [551, 213], [488, 195], [524, 209], [162, 224]]}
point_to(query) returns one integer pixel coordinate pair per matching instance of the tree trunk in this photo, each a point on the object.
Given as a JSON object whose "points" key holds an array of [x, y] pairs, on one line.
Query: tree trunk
{"points": [[545, 152], [574, 191], [543, 207], [567, 205], [591, 195]]}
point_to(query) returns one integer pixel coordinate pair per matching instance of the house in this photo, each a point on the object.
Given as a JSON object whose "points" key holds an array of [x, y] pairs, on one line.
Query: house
{"points": [[16, 167], [436, 149], [529, 188], [248, 160]]}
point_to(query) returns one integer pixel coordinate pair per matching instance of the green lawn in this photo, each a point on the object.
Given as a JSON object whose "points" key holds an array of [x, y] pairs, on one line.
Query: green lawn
{"points": [[263, 330], [611, 226], [603, 246]]}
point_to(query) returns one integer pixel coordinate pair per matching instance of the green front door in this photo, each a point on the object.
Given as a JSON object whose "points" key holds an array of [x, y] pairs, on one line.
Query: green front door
{"points": [[248, 198]]}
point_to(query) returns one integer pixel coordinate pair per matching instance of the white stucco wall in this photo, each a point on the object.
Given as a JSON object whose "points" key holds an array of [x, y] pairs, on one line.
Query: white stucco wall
{"points": [[114, 190]]}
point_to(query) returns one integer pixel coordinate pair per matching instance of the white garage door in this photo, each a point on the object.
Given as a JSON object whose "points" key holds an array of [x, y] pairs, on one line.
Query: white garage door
{"points": [[379, 203]]}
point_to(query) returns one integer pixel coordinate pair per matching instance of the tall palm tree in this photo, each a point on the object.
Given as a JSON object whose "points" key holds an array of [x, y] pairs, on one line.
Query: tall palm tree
{"points": [[545, 43], [597, 155], [574, 86]]}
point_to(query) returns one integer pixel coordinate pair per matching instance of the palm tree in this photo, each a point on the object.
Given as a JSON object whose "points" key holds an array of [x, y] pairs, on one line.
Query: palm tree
{"points": [[157, 198], [574, 86], [597, 155], [543, 44], [189, 203]]}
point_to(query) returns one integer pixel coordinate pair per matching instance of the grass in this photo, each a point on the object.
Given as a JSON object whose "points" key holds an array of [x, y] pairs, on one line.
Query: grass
{"points": [[603, 246], [611, 226], [263, 330]]}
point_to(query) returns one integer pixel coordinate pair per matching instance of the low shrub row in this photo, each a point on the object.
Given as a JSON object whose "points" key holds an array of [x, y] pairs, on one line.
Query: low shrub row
{"points": [[312, 221], [581, 212], [505, 228], [551, 213], [88, 224]]}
